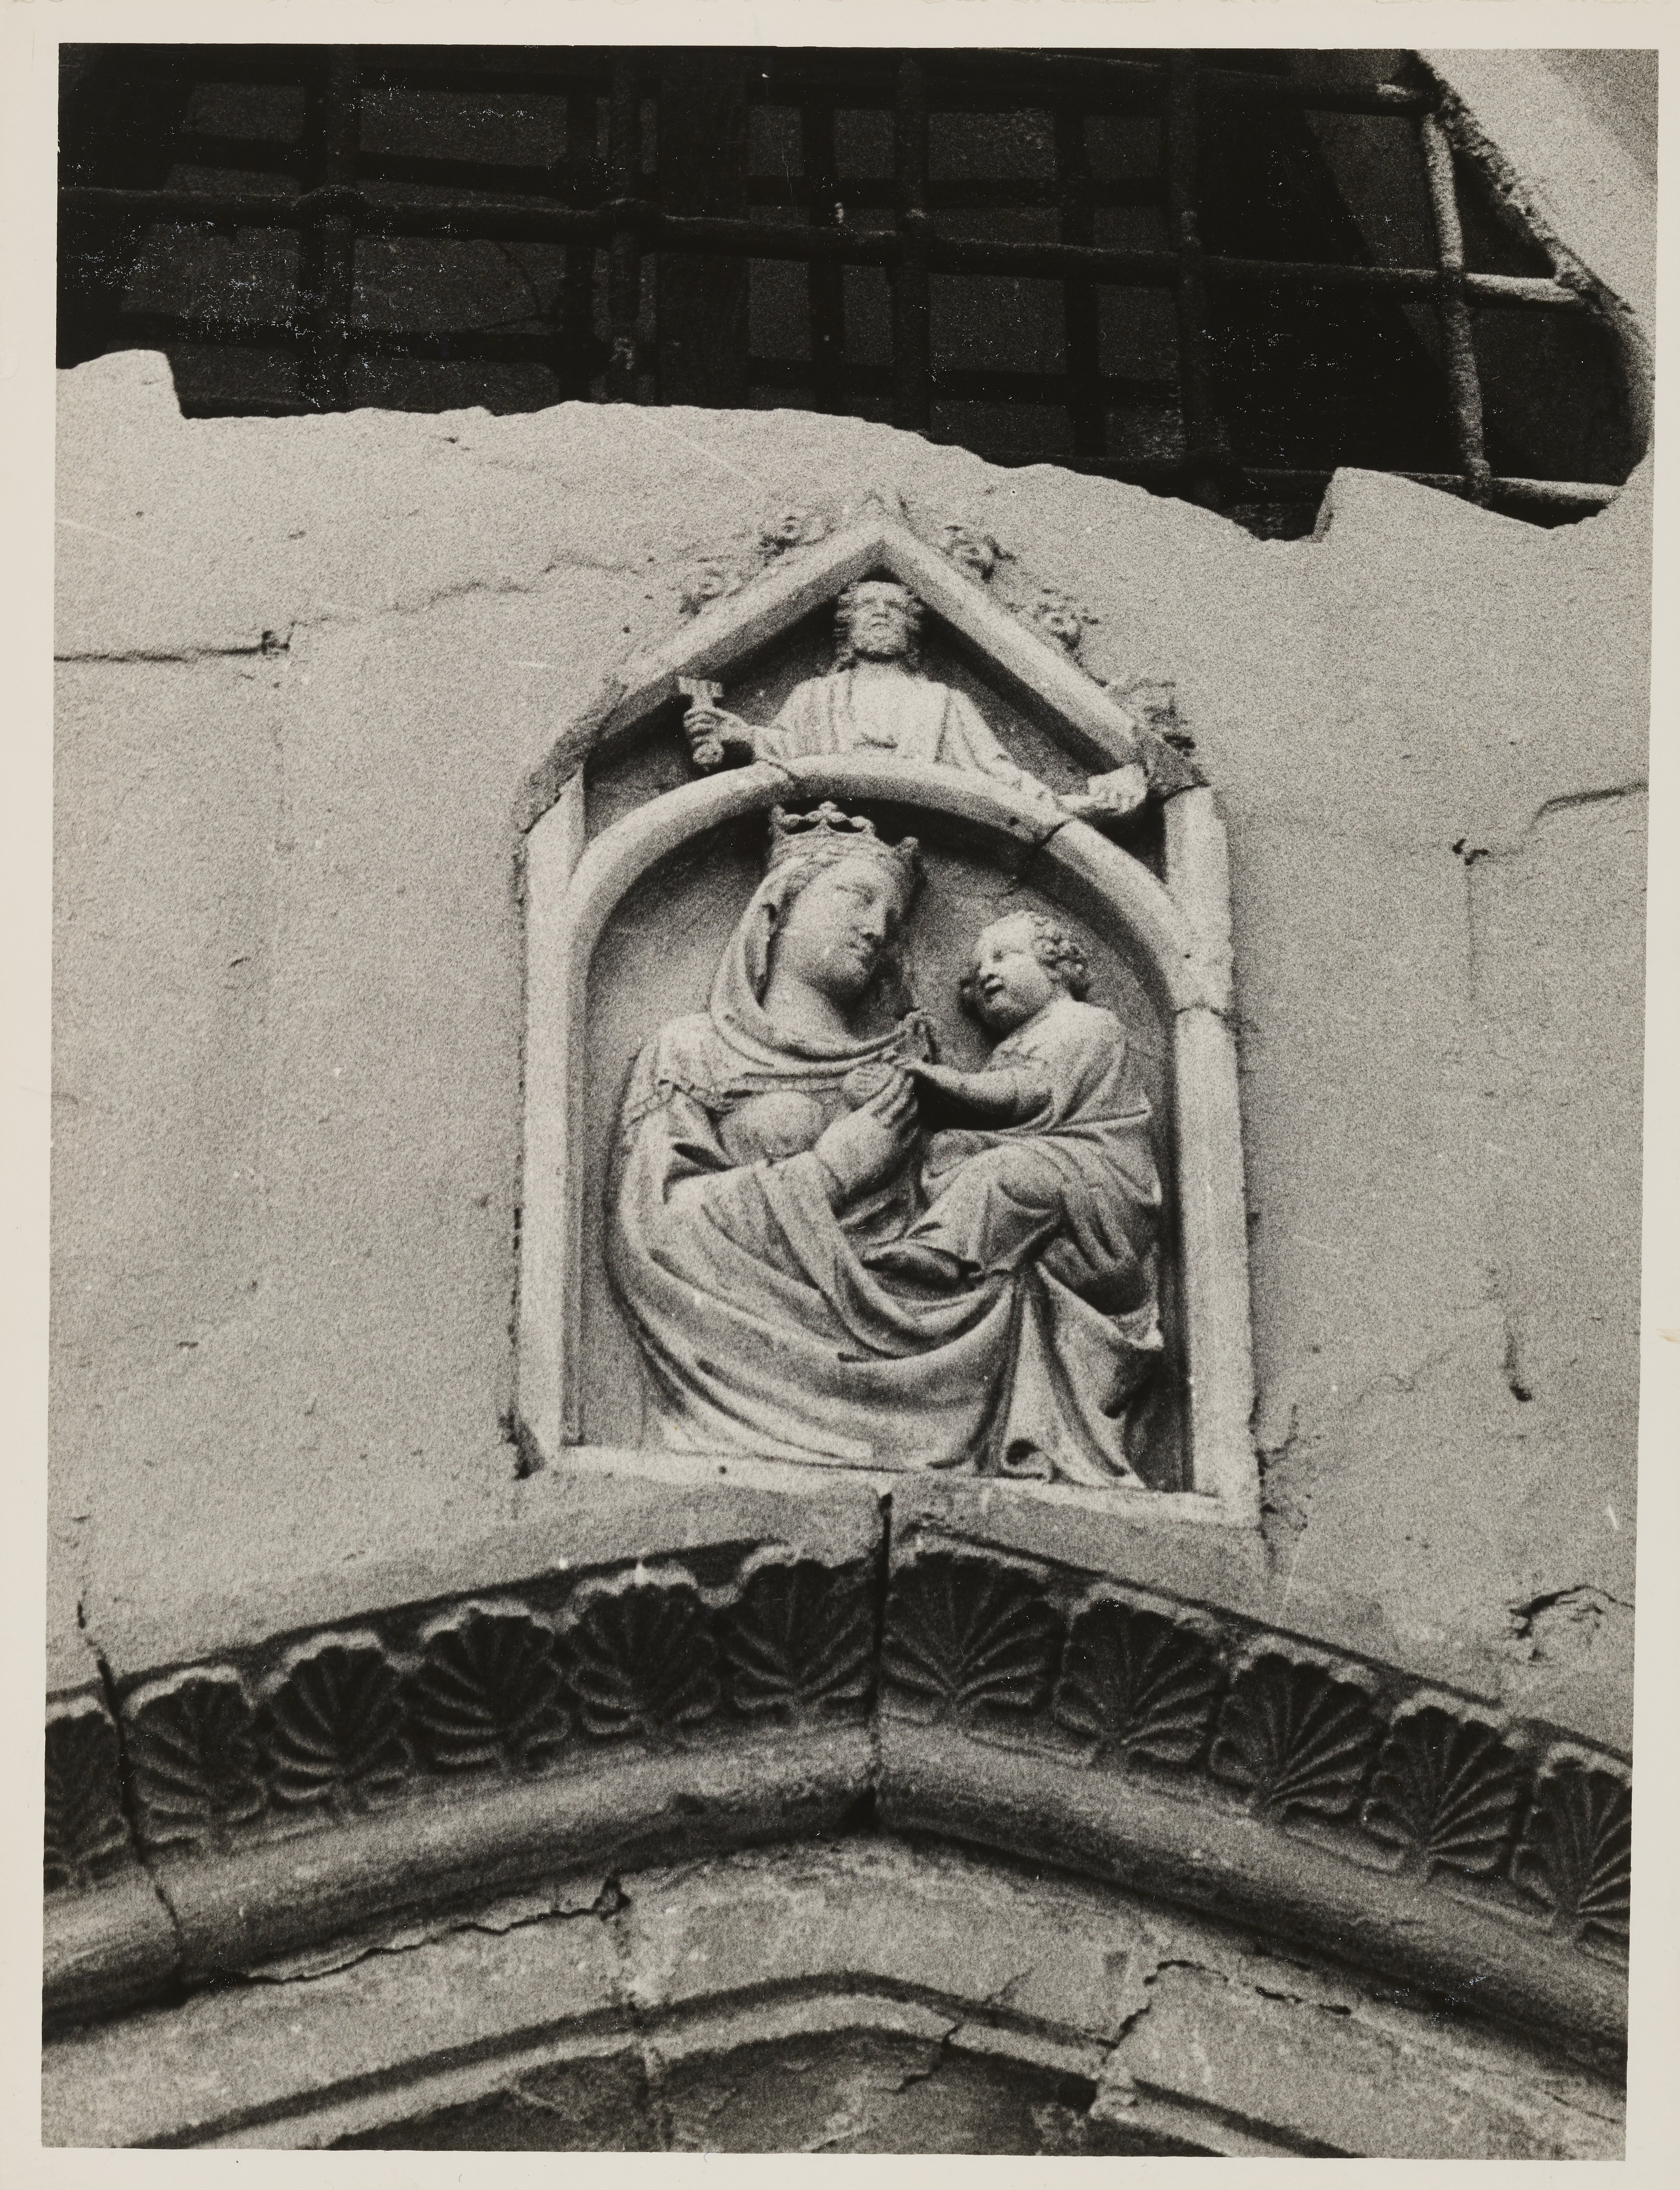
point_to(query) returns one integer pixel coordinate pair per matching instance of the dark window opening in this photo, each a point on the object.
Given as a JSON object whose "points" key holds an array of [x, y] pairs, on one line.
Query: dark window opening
{"points": [[1204, 273]]}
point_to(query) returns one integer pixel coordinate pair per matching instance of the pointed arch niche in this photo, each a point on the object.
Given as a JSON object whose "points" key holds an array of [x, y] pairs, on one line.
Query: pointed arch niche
{"points": [[635, 871]]}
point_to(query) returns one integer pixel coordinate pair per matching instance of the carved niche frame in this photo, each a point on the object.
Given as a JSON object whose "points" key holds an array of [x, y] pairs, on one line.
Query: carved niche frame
{"points": [[1178, 936]]}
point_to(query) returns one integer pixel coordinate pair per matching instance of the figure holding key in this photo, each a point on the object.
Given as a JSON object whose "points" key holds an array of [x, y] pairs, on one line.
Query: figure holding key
{"points": [[877, 699]]}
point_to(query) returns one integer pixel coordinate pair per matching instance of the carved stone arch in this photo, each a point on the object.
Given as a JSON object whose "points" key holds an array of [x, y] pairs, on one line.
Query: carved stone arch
{"points": [[1178, 936]]}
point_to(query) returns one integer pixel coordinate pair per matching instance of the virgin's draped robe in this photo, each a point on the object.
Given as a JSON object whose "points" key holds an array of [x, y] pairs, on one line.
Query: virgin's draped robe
{"points": [[897, 711], [760, 1328]]}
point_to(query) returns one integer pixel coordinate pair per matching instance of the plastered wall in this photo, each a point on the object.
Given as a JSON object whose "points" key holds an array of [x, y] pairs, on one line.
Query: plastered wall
{"points": [[308, 667]]}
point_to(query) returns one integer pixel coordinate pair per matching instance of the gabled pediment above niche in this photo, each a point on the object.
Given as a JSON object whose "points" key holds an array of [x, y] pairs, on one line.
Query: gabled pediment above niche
{"points": [[1029, 654], [953, 743]]}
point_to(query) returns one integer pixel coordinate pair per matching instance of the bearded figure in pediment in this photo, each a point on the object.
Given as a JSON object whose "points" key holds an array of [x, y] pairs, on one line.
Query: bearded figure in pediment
{"points": [[876, 701]]}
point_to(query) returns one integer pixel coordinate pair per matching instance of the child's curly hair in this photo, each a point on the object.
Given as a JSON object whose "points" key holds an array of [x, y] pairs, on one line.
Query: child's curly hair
{"points": [[1054, 949]]}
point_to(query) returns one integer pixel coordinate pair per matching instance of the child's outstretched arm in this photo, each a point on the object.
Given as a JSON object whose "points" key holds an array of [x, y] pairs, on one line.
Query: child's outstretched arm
{"points": [[994, 1099]]}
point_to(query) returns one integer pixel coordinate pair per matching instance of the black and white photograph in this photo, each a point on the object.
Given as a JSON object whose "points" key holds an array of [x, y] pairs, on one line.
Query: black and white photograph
{"points": [[841, 1089]]}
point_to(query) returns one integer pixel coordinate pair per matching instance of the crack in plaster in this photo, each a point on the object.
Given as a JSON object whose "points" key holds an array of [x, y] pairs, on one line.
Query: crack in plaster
{"points": [[1297, 2000], [1561, 1627], [311, 1969], [129, 1801], [1472, 849], [1475, 853], [267, 647], [337, 617]]}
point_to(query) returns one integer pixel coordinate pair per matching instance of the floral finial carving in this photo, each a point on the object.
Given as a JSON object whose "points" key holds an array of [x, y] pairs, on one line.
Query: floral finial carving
{"points": [[971, 550], [708, 580], [1060, 619], [793, 528]]}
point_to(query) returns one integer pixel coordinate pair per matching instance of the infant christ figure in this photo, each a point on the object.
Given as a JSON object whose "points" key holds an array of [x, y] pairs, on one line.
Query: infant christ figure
{"points": [[1046, 1155]]}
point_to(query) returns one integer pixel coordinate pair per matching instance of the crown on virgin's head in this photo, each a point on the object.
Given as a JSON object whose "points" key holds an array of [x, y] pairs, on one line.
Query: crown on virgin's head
{"points": [[828, 833]]}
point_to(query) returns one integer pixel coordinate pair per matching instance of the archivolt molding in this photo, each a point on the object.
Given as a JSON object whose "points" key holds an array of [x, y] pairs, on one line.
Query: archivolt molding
{"points": [[857, 1993], [429, 1755]]}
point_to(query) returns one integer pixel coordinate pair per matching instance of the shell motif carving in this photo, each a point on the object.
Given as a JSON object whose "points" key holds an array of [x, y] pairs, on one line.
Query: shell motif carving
{"points": [[967, 1633], [331, 1728], [1135, 1681], [192, 1743], [1446, 1789], [488, 1693], [1576, 1854], [643, 1657], [1296, 1737], [85, 1831], [801, 1638]]}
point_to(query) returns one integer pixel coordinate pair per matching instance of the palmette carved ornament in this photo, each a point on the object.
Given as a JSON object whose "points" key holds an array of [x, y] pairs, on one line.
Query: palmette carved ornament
{"points": [[643, 1655], [1447, 1789], [352, 1719], [799, 1638], [331, 1728], [1300, 1737], [969, 1634], [1295, 1736], [1108, 1684], [1138, 1682], [487, 1694], [1575, 1855], [85, 1835], [192, 1748]]}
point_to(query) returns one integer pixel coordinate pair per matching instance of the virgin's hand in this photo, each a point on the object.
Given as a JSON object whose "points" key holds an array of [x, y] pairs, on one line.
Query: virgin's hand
{"points": [[863, 1148]]}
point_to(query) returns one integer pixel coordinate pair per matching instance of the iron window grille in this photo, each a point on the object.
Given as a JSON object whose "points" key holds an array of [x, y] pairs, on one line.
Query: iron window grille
{"points": [[618, 215]]}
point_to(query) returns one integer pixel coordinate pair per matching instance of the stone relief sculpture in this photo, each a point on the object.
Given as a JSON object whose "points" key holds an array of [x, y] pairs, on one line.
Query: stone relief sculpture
{"points": [[810, 1275], [1053, 1157], [790, 1232], [876, 701]]}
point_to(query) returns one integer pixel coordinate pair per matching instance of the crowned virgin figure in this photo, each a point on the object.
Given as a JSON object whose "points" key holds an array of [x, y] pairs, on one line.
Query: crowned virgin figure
{"points": [[770, 1144]]}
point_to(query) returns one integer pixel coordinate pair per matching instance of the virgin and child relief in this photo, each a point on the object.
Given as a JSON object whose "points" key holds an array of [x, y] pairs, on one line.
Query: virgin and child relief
{"points": [[833, 1247]]}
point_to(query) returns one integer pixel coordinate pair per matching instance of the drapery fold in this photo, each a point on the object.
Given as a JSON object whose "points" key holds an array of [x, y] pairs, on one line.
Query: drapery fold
{"points": [[760, 1327]]}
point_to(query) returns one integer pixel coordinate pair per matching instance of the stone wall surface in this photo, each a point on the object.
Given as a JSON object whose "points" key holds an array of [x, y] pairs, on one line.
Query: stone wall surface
{"points": [[861, 1996], [308, 668]]}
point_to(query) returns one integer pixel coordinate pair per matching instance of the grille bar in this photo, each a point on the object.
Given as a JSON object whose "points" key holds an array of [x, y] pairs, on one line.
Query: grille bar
{"points": [[607, 218], [506, 220], [1463, 382], [913, 348], [623, 230]]}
